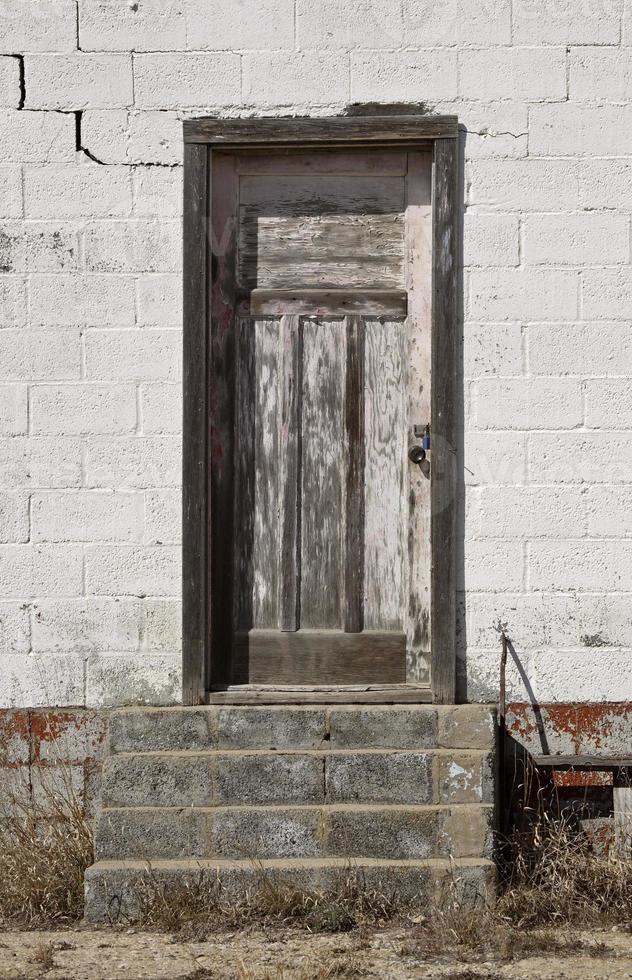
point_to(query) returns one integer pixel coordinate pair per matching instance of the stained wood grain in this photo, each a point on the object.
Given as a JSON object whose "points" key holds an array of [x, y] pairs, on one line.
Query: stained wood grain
{"points": [[332, 302], [267, 489], [418, 387], [383, 272], [308, 656], [322, 194], [337, 130], [322, 551], [356, 251], [290, 441], [319, 236], [222, 414], [444, 333], [195, 608], [385, 473], [353, 465], [387, 163], [334, 694], [244, 474]]}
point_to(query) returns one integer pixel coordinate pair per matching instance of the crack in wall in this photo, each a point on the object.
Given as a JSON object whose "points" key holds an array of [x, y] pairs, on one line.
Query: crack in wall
{"points": [[20, 60], [80, 148], [499, 132]]}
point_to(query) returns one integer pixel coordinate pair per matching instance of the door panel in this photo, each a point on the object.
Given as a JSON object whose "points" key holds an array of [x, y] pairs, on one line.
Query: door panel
{"points": [[315, 657], [321, 251], [320, 472], [289, 465], [385, 474], [269, 471], [322, 194], [322, 490], [321, 232], [329, 581]]}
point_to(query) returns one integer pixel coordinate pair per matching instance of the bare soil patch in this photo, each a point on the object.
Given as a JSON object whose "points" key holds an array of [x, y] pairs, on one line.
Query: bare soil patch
{"points": [[392, 953]]}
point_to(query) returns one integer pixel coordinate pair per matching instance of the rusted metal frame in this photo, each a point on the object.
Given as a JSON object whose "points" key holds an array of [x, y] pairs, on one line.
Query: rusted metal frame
{"points": [[582, 762]]}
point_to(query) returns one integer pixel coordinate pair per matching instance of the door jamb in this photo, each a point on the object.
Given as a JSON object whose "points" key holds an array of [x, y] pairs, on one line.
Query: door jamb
{"points": [[201, 136]]}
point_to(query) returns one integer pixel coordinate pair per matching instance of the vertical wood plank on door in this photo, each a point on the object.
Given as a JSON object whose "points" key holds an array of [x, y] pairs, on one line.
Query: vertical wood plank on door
{"points": [[444, 484], [354, 465], [244, 470], [195, 552], [322, 498], [266, 451], [385, 474], [222, 413], [290, 358], [418, 329]]}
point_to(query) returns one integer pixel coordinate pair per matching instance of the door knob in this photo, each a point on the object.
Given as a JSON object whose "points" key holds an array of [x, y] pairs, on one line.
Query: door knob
{"points": [[416, 454]]}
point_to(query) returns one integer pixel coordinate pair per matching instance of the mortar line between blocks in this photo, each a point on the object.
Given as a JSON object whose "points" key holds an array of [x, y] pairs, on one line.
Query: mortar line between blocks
{"points": [[305, 807], [214, 752]]}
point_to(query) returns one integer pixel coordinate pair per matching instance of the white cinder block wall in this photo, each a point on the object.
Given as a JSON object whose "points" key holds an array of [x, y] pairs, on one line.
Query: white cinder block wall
{"points": [[92, 93]]}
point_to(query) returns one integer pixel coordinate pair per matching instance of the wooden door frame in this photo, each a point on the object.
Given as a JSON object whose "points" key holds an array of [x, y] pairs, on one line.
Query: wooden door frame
{"points": [[201, 137]]}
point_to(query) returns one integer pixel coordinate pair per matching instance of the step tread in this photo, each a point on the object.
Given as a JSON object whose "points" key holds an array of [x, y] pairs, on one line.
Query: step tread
{"points": [[393, 707], [303, 807], [202, 864]]}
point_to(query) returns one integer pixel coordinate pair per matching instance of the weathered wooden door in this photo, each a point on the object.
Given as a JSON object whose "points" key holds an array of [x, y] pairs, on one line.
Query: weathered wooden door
{"points": [[319, 385]]}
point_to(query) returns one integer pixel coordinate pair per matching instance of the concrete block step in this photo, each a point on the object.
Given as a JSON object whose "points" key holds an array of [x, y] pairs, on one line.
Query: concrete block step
{"points": [[112, 887], [216, 778], [394, 832], [410, 726]]}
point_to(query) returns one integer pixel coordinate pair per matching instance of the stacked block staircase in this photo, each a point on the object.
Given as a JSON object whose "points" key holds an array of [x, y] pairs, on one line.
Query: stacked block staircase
{"points": [[402, 793]]}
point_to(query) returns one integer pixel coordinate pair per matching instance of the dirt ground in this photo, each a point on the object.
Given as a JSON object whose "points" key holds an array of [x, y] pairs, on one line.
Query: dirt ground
{"points": [[110, 954]]}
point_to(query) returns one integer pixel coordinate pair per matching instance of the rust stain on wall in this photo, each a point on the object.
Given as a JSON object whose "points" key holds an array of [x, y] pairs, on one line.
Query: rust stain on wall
{"points": [[575, 728], [36, 741]]}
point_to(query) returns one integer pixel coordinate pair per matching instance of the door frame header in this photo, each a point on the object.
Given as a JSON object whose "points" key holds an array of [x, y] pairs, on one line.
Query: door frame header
{"points": [[201, 138], [323, 132]]}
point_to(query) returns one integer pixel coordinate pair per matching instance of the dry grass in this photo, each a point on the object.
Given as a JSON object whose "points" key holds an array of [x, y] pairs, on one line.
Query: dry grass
{"points": [[556, 877], [45, 848], [335, 968], [556, 882], [43, 956], [199, 906], [479, 934]]}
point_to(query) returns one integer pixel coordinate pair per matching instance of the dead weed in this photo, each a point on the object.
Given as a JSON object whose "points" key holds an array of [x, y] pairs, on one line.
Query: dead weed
{"points": [[556, 877], [479, 934], [555, 881], [45, 848], [333, 969], [43, 956], [200, 906]]}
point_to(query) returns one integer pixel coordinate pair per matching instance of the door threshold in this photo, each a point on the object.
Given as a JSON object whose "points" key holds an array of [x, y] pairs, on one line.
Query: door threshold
{"points": [[321, 694]]}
